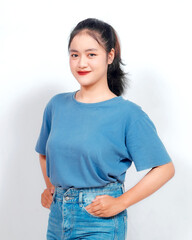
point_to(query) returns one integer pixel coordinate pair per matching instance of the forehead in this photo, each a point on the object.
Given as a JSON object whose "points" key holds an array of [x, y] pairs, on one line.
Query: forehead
{"points": [[84, 42]]}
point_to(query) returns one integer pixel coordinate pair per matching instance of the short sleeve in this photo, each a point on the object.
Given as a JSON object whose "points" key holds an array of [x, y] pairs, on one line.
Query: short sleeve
{"points": [[144, 145], [45, 130]]}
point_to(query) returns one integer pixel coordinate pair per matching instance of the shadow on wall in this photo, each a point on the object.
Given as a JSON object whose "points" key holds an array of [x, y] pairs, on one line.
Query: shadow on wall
{"points": [[23, 182]]}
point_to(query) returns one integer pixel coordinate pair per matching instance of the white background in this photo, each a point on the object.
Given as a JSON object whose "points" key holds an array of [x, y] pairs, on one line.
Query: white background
{"points": [[155, 39]]}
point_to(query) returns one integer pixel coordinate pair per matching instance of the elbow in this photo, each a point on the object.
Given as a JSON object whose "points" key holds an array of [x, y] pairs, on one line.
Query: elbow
{"points": [[42, 157], [173, 171], [170, 169]]}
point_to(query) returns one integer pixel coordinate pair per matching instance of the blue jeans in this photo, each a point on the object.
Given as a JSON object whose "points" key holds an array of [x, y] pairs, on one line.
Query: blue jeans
{"points": [[68, 218]]}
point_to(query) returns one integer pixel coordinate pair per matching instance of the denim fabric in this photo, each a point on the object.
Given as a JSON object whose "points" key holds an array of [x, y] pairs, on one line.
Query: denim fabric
{"points": [[68, 218]]}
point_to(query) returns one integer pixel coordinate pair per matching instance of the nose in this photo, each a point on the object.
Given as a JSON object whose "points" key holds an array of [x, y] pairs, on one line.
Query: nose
{"points": [[82, 62]]}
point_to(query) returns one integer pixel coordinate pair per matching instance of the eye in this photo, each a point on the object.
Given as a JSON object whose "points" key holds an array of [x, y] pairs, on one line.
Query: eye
{"points": [[92, 54], [73, 55]]}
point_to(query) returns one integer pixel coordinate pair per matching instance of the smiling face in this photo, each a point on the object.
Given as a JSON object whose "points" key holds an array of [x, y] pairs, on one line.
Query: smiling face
{"points": [[86, 55]]}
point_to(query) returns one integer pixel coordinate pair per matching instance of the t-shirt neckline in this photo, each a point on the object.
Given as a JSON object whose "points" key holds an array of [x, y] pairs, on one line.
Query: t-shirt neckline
{"points": [[111, 100]]}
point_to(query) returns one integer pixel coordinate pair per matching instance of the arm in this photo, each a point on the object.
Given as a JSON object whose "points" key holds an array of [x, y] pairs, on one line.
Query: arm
{"points": [[42, 159], [150, 183], [106, 206], [46, 196]]}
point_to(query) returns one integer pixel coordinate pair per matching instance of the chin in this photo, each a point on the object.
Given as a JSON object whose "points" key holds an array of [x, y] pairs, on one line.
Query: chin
{"points": [[85, 82]]}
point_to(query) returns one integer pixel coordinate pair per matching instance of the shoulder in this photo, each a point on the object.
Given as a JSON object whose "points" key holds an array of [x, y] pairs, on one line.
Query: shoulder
{"points": [[57, 98], [136, 118], [132, 110]]}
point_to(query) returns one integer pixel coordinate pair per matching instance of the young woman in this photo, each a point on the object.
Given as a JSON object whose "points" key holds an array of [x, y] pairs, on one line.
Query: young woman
{"points": [[90, 137]]}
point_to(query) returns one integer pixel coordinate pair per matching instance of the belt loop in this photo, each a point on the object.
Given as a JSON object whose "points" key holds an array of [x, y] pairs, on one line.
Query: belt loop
{"points": [[123, 187], [80, 198], [54, 195]]}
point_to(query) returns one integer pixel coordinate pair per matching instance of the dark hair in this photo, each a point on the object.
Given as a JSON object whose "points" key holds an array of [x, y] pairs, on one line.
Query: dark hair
{"points": [[106, 36]]}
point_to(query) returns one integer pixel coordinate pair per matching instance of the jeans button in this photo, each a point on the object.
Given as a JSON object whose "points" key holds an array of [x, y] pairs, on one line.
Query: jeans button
{"points": [[66, 198]]}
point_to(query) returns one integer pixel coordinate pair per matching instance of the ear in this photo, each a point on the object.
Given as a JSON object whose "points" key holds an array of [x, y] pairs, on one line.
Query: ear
{"points": [[111, 56]]}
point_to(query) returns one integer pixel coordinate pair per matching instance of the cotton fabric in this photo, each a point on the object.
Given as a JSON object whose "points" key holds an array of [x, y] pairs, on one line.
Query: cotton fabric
{"points": [[93, 144]]}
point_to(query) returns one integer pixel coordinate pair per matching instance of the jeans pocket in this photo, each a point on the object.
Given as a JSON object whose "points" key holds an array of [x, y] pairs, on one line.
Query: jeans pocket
{"points": [[89, 197], [53, 199], [85, 204], [87, 200]]}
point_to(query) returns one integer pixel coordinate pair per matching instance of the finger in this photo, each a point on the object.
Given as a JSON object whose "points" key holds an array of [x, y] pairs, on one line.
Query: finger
{"points": [[93, 204], [52, 190], [46, 205], [96, 209], [96, 203], [48, 195], [96, 212], [49, 200], [99, 196]]}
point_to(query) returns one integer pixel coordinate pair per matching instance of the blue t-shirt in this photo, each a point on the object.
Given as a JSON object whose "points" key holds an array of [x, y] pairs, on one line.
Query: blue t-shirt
{"points": [[92, 144]]}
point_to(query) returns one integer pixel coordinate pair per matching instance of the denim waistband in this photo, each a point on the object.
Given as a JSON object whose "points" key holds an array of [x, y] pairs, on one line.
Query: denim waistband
{"points": [[108, 187]]}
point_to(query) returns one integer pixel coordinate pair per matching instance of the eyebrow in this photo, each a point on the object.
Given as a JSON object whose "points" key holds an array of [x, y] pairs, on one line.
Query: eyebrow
{"points": [[87, 50]]}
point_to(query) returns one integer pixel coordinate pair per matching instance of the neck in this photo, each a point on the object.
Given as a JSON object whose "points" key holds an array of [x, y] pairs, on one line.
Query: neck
{"points": [[94, 94]]}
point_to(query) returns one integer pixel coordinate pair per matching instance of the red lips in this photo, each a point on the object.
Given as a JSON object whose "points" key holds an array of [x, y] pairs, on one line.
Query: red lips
{"points": [[83, 72]]}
